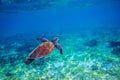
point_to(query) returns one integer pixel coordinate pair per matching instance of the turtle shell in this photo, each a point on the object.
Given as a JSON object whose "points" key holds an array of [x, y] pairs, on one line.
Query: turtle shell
{"points": [[42, 50]]}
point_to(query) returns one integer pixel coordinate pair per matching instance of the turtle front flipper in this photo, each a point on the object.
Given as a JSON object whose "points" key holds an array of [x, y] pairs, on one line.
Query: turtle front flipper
{"points": [[59, 47], [43, 39]]}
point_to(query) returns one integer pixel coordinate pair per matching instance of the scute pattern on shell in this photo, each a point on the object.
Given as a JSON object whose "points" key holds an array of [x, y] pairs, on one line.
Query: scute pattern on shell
{"points": [[42, 50]]}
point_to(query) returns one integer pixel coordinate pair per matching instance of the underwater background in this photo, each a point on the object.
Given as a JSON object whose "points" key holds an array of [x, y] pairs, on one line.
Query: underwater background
{"points": [[88, 31]]}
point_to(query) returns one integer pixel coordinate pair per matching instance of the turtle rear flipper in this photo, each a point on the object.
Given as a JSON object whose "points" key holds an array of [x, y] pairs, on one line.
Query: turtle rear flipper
{"points": [[59, 47], [28, 61]]}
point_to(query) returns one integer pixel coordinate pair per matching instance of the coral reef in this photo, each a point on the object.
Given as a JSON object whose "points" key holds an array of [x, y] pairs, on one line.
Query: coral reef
{"points": [[116, 51], [91, 43], [113, 43]]}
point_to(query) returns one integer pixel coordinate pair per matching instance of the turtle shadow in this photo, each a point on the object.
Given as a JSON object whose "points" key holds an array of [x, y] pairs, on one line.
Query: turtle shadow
{"points": [[42, 62], [39, 62]]}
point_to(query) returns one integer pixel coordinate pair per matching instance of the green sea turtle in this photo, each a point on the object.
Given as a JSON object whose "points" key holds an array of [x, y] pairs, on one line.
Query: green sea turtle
{"points": [[43, 49]]}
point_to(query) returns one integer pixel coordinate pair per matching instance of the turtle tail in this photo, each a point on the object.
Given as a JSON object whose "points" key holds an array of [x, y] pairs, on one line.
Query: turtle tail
{"points": [[28, 61]]}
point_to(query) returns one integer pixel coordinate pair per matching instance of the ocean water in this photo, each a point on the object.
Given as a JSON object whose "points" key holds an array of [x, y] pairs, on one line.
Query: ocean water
{"points": [[88, 32]]}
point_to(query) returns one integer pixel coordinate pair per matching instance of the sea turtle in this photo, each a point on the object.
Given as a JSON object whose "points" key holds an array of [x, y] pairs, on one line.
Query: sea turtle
{"points": [[43, 49]]}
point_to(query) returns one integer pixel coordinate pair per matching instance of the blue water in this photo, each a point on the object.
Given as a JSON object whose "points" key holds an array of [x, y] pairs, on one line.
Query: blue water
{"points": [[88, 31], [73, 16]]}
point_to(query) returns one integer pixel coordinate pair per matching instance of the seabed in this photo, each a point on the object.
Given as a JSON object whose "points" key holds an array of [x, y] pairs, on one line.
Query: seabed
{"points": [[86, 57]]}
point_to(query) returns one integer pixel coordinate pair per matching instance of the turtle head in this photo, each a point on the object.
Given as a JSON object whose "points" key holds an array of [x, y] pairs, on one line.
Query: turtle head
{"points": [[55, 39]]}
